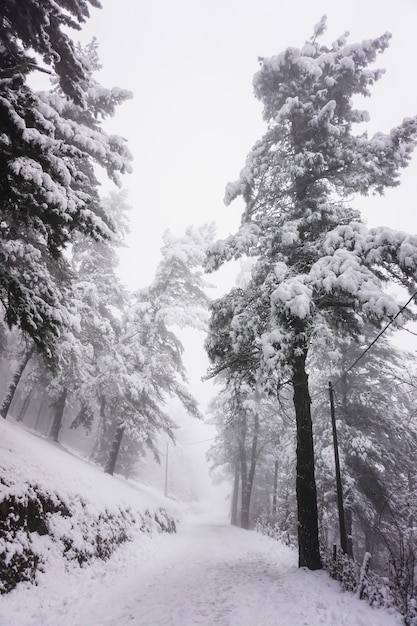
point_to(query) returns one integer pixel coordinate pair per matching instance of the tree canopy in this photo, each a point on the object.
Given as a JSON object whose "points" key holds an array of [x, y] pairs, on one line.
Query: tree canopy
{"points": [[51, 143]]}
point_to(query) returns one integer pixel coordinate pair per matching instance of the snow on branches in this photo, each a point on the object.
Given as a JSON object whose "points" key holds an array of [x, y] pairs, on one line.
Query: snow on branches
{"points": [[318, 269]]}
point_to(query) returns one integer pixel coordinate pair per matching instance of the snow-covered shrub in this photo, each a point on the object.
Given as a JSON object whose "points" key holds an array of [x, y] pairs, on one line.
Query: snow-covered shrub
{"points": [[342, 568], [272, 529], [36, 523], [23, 513], [378, 591]]}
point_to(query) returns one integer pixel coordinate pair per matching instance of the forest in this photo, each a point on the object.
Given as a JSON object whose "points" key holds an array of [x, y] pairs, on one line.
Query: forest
{"points": [[315, 402]]}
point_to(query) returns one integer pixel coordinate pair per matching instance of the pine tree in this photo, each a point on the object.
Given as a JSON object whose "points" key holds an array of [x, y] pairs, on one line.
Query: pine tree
{"points": [[149, 366], [41, 28], [246, 429], [50, 145], [318, 267]]}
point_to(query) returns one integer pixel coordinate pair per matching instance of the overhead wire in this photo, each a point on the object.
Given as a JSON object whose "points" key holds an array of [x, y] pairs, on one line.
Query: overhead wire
{"points": [[373, 342]]}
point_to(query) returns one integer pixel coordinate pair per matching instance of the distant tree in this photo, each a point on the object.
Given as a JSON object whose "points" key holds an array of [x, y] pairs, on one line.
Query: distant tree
{"points": [[149, 366], [25, 356], [319, 269], [247, 429], [50, 145], [97, 305]]}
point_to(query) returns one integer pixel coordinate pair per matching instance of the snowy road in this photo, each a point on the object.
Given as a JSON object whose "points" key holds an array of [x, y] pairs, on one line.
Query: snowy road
{"points": [[209, 574]]}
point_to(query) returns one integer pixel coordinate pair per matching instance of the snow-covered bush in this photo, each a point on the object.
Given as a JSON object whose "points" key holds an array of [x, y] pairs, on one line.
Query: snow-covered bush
{"points": [[38, 524], [273, 529], [378, 591]]}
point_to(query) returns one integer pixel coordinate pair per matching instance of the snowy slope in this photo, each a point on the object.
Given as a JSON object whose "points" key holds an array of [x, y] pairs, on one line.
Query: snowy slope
{"points": [[24, 454], [57, 510]]}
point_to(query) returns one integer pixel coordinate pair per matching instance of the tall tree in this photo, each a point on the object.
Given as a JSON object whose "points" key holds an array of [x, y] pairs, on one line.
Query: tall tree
{"points": [[8, 398], [50, 145], [318, 267], [246, 428], [149, 365], [97, 303]]}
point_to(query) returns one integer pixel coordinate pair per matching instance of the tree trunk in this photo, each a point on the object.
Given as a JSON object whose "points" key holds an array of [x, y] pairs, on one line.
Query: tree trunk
{"points": [[244, 501], [13, 385], [25, 406], [308, 533], [247, 477], [114, 450], [58, 416], [39, 414], [244, 511], [235, 496]]}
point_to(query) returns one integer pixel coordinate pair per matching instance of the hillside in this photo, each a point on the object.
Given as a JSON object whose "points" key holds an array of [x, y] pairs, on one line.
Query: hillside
{"points": [[57, 509]]}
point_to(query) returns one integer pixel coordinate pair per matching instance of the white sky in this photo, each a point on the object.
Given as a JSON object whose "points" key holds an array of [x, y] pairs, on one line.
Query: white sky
{"points": [[194, 118]]}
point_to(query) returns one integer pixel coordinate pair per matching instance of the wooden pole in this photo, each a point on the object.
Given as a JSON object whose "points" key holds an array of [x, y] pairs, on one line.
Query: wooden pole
{"points": [[166, 472], [274, 493], [342, 524]]}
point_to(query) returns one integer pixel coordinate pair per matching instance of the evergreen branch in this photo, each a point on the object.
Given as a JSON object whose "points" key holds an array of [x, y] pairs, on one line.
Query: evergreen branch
{"points": [[9, 72]]}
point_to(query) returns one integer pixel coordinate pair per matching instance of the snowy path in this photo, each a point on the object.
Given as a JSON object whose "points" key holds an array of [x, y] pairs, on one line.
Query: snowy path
{"points": [[208, 574]]}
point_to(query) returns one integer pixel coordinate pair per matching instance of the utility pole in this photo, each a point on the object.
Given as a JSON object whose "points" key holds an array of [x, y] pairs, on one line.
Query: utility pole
{"points": [[344, 544], [274, 493], [166, 472]]}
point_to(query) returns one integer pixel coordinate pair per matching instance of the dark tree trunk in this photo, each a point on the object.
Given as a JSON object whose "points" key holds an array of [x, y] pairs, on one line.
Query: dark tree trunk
{"points": [[13, 385], [369, 538], [114, 450], [25, 406], [248, 476], [59, 406], [274, 493], [308, 532], [244, 511], [244, 501], [235, 496]]}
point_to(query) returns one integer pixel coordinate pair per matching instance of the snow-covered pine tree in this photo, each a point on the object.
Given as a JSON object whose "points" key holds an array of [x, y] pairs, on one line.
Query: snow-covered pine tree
{"points": [[247, 427], [318, 266], [100, 300], [149, 355], [40, 28], [50, 145]]}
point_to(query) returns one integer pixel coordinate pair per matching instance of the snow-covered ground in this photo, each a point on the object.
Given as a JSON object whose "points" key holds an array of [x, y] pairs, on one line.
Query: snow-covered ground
{"points": [[24, 455], [209, 573]]}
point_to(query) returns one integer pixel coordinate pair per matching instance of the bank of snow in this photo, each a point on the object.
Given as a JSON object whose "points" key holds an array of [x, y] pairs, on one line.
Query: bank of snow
{"points": [[57, 509]]}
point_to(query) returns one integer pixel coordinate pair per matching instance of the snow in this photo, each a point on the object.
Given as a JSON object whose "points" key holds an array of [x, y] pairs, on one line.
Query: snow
{"points": [[294, 296], [209, 573], [24, 455]]}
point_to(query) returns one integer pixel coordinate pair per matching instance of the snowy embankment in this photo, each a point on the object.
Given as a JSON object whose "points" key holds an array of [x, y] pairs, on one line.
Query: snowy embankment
{"points": [[57, 510]]}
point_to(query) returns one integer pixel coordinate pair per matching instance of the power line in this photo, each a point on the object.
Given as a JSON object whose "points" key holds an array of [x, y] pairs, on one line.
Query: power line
{"points": [[376, 339], [191, 443]]}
